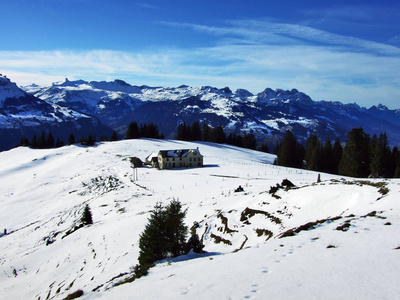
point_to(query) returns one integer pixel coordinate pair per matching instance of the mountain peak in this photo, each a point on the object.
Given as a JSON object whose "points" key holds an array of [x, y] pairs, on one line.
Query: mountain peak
{"points": [[9, 89]]}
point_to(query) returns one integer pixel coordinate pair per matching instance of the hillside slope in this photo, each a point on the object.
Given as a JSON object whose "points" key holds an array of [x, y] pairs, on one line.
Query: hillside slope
{"points": [[269, 246]]}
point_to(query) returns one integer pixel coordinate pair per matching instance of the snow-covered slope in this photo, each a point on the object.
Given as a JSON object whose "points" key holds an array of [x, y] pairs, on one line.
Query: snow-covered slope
{"points": [[328, 240]]}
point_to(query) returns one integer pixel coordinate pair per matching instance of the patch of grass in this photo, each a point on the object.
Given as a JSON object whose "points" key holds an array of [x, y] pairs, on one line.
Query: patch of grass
{"points": [[242, 245], [218, 240], [345, 226], [307, 226], [265, 232], [74, 295], [224, 221], [248, 213]]}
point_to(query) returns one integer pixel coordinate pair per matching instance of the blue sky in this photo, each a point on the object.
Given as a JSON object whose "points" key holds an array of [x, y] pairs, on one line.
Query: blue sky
{"points": [[345, 51]]}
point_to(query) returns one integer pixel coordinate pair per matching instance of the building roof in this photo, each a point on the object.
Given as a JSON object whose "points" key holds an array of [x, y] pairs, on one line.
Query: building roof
{"points": [[178, 153]]}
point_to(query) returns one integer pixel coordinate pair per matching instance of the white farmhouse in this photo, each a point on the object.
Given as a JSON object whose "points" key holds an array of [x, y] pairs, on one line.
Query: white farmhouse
{"points": [[169, 159]]}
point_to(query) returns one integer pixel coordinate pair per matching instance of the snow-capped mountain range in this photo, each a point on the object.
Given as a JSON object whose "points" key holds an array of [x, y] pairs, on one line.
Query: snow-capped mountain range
{"points": [[268, 114], [24, 115], [336, 239]]}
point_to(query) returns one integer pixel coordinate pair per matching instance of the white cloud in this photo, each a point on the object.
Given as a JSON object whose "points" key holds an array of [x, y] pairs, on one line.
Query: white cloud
{"points": [[250, 54]]}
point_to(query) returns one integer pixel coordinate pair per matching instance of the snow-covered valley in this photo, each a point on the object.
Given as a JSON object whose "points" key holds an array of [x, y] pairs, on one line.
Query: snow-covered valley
{"points": [[335, 239]]}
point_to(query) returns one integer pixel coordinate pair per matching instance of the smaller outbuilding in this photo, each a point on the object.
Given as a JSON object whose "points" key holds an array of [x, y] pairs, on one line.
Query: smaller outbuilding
{"points": [[136, 162]]}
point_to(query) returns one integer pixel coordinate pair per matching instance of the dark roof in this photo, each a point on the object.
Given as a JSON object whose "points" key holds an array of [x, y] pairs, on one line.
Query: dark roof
{"points": [[177, 153]]}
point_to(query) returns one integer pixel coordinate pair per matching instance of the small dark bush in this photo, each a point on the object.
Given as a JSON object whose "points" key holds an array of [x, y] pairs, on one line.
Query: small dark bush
{"points": [[74, 295]]}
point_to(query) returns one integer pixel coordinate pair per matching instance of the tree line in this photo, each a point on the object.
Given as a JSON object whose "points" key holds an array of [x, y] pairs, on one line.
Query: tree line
{"points": [[47, 141], [362, 156], [150, 130], [206, 133]]}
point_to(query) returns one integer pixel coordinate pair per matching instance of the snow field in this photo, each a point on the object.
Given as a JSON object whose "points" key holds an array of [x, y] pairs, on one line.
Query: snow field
{"points": [[43, 193]]}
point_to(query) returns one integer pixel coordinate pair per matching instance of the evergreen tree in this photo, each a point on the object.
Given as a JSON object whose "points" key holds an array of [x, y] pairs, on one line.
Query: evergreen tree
{"points": [[59, 143], [206, 135], [249, 141], [337, 152], [380, 156], [196, 131], [133, 131], [264, 148], [183, 132], [176, 230], [290, 153], [164, 235], [395, 165], [24, 142], [219, 135], [355, 160], [90, 141], [152, 131], [327, 163], [42, 141], [50, 141], [152, 243], [313, 153], [87, 216], [71, 140], [143, 131], [34, 142], [114, 136]]}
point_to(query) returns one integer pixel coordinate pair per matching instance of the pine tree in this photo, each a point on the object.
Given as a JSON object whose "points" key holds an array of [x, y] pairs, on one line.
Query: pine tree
{"points": [[34, 142], [264, 147], [313, 153], [196, 131], [42, 141], [290, 152], [183, 132], [152, 243], [380, 156], [327, 163], [71, 139], [176, 230], [114, 136], [87, 216], [164, 235], [249, 141], [219, 135], [337, 155], [133, 131], [206, 135], [355, 160], [50, 141]]}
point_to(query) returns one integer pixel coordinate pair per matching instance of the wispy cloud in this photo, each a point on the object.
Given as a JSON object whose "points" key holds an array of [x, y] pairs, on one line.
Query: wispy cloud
{"points": [[249, 54], [145, 5]]}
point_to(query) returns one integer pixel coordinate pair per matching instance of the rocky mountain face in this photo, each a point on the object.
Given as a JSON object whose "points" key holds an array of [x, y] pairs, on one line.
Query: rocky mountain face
{"points": [[24, 115], [268, 114]]}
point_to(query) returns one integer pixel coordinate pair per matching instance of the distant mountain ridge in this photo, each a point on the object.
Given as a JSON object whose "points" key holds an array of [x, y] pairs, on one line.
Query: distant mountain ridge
{"points": [[268, 114], [24, 115]]}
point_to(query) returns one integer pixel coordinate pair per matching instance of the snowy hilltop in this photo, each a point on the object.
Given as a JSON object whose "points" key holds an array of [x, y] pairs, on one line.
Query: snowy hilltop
{"points": [[332, 239]]}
